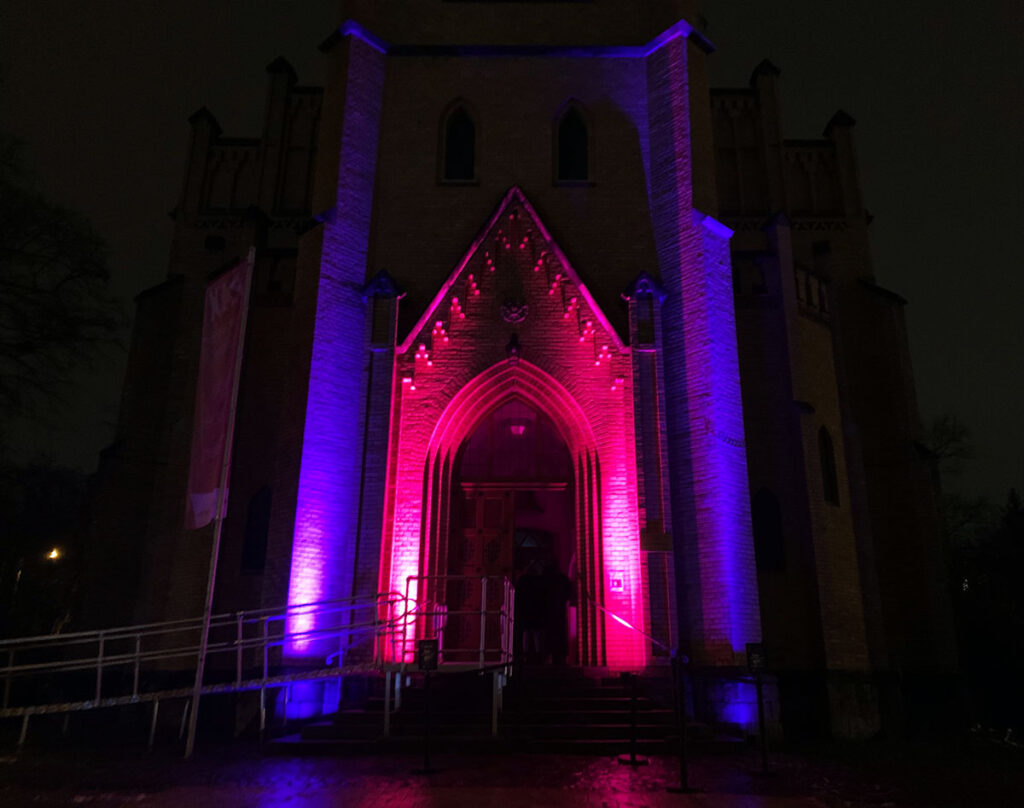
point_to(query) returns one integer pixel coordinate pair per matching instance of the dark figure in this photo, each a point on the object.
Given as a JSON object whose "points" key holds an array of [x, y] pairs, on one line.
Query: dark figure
{"points": [[531, 613], [558, 594]]}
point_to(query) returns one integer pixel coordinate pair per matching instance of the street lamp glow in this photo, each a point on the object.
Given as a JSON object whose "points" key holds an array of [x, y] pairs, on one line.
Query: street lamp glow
{"points": [[54, 554]]}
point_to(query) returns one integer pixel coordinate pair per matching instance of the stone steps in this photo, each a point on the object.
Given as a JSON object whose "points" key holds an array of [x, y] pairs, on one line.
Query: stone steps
{"points": [[561, 711]]}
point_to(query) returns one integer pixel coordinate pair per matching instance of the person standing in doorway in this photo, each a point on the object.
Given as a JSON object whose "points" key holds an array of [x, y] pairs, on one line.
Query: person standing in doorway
{"points": [[531, 614], [558, 595]]}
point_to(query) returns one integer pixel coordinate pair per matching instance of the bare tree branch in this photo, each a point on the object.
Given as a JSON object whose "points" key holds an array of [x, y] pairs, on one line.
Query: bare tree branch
{"points": [[56, 312]]}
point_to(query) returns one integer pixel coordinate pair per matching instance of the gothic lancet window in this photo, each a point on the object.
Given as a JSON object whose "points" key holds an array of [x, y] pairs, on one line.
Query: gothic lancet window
{"points": [[458, 146], [257, 526], [766, 516], [829, 480], [572, 158]]}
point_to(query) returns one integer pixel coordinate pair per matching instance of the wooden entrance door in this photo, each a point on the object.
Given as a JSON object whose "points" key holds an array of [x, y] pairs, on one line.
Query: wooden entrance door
{"points": [[485, 548]]}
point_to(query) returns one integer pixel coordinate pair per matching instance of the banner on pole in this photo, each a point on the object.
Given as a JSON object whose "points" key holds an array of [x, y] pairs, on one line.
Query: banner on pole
{"points": [[223, 322]]}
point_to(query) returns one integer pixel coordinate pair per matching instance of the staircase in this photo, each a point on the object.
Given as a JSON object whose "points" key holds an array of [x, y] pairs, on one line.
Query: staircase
{"points": [[564, 710], [460, 717], [556, 710]]}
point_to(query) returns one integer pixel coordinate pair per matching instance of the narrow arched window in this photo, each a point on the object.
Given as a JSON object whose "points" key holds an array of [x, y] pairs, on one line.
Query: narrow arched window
{"points": [[766, 516], [257, 526], [829, 480], [459, 146], [573, 159]]}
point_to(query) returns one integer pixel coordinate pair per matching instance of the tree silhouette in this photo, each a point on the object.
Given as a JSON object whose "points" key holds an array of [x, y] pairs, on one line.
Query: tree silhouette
{"points": [[55, 309], [949, 441], [989, 570]]}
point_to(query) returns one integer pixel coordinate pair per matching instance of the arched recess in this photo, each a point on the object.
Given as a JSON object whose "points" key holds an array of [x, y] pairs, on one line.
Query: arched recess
{"points": [[491, 389], [572, 144], [459, 136], [769, 543], [829, 478]]}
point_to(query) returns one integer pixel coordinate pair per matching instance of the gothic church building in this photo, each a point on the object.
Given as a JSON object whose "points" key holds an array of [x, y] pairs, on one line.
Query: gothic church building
{"points": [[527, 288]]}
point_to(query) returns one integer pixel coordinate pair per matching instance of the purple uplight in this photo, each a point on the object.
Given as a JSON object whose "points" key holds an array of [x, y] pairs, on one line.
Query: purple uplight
{"points": [[327, 503]]}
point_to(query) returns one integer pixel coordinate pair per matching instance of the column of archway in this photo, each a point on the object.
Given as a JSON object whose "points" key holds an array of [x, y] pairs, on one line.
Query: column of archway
{"points": [[589, 553], [586, 639], [439, 472]]}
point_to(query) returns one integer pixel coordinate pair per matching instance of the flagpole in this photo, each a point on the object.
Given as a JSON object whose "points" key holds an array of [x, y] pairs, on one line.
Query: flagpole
{"points": [[225, 467]]}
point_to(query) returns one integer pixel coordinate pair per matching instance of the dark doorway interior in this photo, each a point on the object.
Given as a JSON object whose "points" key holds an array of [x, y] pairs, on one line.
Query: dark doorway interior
{"points": [[512, 506]]}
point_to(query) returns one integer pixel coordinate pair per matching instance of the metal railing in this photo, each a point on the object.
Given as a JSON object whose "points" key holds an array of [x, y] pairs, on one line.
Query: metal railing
{"points": [[491, 616], [143, 646], [247, 651], [622, 621], [87, 670]]}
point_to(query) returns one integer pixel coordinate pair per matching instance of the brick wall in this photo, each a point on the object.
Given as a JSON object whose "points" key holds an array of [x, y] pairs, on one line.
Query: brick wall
{"points": [[327, 505], [710, 502], [316, 423], [120, 510], [573, 366]]}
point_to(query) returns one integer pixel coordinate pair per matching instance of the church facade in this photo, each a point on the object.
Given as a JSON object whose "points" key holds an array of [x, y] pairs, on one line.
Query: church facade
{"points": [[527, 289]]}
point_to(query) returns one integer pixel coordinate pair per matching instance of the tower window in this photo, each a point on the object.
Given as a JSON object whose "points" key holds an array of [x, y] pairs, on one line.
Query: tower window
{"points": [[573, 160], [257, 526], [459, 148], [766, 516], [829, 480]]}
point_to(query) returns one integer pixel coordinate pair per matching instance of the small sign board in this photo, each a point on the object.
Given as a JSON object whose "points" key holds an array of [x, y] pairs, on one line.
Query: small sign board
{"points": [[756, 661], [426, 655]]}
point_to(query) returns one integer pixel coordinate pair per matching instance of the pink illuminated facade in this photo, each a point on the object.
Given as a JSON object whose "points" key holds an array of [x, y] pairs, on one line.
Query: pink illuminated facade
{"points": [[456, 365], [652, 423], [526, 289]]}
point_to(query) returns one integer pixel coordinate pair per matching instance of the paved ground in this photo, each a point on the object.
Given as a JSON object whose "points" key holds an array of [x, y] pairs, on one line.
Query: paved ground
{"points": [[949, 774], [227, 778]]}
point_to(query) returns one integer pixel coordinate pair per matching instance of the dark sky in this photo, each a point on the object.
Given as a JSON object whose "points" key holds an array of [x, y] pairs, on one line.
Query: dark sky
{"points": [[101, 92]]}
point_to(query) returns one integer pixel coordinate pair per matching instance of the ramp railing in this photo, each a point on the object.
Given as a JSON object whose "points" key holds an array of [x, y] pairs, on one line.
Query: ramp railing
{"points": [[248, 651], [86, 670]]}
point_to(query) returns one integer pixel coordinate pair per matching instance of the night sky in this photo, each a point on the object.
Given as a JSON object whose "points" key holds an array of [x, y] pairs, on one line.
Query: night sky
{"points": [[101, 91]]}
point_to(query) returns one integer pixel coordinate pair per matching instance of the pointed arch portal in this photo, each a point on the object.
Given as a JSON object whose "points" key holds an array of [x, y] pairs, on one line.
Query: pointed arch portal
{"points": [[486, 394], [597, 545], [513, 322]]}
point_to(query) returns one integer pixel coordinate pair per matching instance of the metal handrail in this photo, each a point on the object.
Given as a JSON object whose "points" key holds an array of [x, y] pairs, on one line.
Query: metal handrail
{"points": [[504, 613], [127, 645], [110, 651], [188, 623], [248, 635], [110, 660], [622, 621]]}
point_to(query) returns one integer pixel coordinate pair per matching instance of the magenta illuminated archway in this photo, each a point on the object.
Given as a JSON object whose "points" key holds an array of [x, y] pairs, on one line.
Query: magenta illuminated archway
{"points": [[508, 380], [424, 552]]}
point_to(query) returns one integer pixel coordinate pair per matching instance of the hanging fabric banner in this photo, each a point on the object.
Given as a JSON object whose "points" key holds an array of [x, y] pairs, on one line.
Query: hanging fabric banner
{"points": [[223, 324]]}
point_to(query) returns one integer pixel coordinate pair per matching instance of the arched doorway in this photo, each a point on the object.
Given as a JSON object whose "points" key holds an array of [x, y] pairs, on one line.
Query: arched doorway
{"points": [[423, 558], [512, 514]]}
